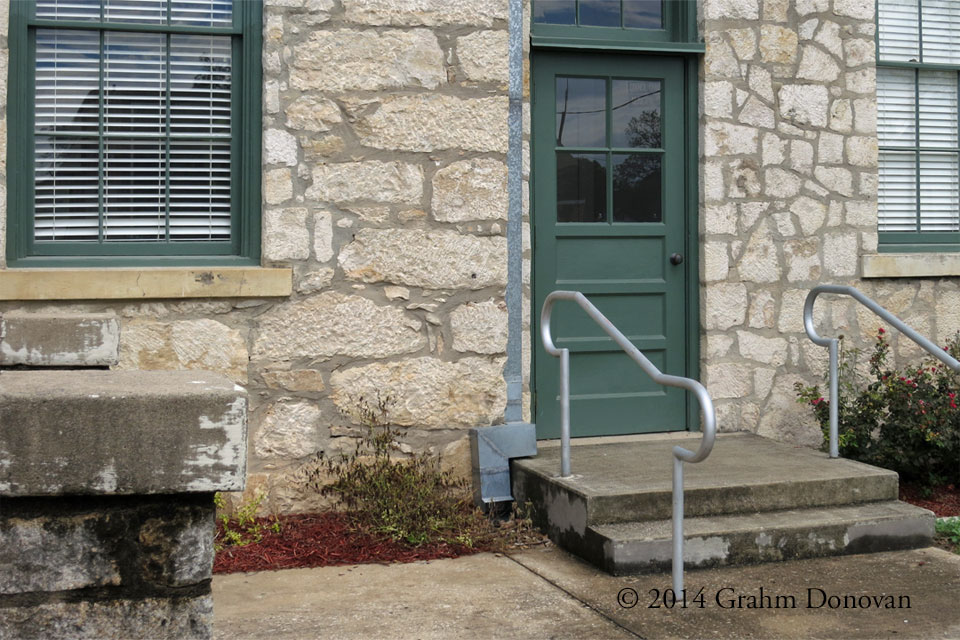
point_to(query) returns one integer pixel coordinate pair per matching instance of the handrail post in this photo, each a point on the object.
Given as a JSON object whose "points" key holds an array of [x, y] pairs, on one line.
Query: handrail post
{"points": [[834, 398], [565, 413], [677, 567]]}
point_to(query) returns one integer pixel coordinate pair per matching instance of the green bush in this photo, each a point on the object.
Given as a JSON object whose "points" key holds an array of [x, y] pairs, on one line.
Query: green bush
{"points": [[949, 530], [905, 420]]}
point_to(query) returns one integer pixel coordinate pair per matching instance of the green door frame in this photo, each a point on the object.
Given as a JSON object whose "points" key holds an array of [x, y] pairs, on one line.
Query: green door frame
{"points": [[691, 149]]}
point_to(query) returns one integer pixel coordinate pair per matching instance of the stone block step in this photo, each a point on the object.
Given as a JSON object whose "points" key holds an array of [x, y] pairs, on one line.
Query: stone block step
{"points": [[644, 547], [631, 481]]}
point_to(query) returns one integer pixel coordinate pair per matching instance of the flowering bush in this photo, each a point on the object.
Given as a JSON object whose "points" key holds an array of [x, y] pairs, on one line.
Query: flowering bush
{"points": [[907, 420]]}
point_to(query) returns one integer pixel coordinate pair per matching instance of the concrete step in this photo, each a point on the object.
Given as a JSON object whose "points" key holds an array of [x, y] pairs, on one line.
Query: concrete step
{"points": [[626, 481], [644, 547]]}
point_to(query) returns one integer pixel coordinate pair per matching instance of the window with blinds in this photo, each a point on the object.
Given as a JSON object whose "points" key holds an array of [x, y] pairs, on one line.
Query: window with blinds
{"points": [[134, 130], [917, 113]]}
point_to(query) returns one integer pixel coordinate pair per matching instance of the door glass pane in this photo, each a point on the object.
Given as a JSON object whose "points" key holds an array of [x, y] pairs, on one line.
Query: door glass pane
{"points": [[636, 114], [555, 11], [600, 13], [636, 187], [581, 187], [643, 14], [581, 112]]}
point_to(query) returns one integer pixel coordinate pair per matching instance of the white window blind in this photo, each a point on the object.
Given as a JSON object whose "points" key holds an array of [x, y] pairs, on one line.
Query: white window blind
{"points": [[133, 130], [917, 122]]}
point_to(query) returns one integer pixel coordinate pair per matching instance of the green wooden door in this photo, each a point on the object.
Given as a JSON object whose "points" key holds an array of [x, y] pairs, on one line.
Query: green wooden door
{"points": [[609, 212]]}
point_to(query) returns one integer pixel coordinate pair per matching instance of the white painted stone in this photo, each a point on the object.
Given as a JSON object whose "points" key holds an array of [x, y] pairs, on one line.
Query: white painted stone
{"points": [[830, 148], [716, 263], [322, 236], [728, 9], [782, 183], [279, 147], [429, 259], [772, 351], [817, 65], [367, 60], [473, 189], [759, 262], [840, 254], [371, 180], [811, 214], [425, 393], [285, 234], [804, 104], [725, 305], [480, 327], [289, 430], [335, 324], [483, 56], [718, 99], [433, 121]]}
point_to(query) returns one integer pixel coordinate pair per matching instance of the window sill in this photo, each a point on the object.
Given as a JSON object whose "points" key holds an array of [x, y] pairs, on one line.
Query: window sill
{"points": [[146, 283], [910, 265]]}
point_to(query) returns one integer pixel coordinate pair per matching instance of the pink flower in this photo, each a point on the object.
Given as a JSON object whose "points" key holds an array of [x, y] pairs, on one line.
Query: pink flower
{"points": [[881, 331]]}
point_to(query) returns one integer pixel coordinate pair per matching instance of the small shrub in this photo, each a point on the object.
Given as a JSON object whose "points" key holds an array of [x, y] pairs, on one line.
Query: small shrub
{"points": [[242, 527], [906, 420], [949, 530], [409, 498]]}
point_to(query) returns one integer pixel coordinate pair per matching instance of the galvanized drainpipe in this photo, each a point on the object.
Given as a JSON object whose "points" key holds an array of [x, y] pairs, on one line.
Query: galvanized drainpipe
{"points": [[513, 372]]}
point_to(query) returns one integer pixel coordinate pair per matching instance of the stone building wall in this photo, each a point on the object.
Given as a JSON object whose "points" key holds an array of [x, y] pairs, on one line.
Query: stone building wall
{"points": [[384, 188], [789, 201]]}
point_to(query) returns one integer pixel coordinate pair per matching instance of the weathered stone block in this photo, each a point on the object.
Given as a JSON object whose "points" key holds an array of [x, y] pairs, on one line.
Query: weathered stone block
{"points": [[428, 259], [483, 56], [311, 113], [368, 60], [425, 12], [118, 432], [804, 104], [285, 234], [480, 327], [290, 429], [425, 392], [726, 305], [372, 180], [90, 340], [332, 324], [203, 344], [155, 618], [470, 190], [433, 122]]}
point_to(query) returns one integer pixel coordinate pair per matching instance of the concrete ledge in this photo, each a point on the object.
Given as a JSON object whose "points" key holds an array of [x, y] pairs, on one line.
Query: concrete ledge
{"points": [[90, 340], [910, 265], [120, 432], [154, 283]]}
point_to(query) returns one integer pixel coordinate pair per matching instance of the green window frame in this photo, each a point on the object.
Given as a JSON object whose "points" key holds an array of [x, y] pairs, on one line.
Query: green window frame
{"points": [[233, 241], [918, 110], [678, 32]]}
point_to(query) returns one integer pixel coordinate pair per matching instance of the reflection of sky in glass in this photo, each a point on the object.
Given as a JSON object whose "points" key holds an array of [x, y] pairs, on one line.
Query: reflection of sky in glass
{"points": [[581, 118], [635, 117], [643, 14], [600, 13], [555, 11]]}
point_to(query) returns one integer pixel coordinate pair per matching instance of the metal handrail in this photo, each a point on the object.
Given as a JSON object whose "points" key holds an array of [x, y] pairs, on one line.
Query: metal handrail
{"points": [[679, 453], [832, 345]]}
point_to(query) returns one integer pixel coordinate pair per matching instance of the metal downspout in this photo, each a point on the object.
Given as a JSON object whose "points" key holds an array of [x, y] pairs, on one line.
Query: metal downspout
{"points": [[513, 371]]}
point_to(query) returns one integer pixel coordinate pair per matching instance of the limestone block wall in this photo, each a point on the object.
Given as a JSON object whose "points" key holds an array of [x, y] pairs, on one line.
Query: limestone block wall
{"points": [[789, 200], [384, 189]]}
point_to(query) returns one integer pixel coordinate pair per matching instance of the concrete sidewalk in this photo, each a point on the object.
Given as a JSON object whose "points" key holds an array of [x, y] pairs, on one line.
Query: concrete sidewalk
{"points": [[546, 593]]}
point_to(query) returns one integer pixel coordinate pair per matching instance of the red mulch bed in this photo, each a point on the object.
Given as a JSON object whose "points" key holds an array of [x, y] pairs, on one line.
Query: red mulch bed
{"points": [[943, 501], [325, 539]]}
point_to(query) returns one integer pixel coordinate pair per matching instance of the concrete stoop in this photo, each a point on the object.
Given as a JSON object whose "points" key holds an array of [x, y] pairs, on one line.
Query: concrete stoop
{"points": [[753, 500]]}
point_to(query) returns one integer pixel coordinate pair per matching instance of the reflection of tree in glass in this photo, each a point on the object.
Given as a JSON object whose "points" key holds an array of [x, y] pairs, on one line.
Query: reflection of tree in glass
{"points": [[636, 176]]}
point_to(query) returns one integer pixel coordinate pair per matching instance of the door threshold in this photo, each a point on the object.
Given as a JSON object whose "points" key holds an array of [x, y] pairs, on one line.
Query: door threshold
{"points": [[638, 437]]}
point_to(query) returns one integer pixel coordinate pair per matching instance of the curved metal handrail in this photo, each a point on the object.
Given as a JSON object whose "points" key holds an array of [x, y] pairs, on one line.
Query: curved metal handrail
{"points": [[832, 344], [680, 455]]}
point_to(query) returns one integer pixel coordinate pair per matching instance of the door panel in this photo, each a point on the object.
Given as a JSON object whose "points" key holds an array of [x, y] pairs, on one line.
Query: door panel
{"points": [[609, 210]]}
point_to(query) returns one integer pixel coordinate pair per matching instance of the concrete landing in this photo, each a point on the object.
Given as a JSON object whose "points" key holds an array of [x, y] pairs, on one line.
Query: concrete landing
{"points": [[753, 500]]}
